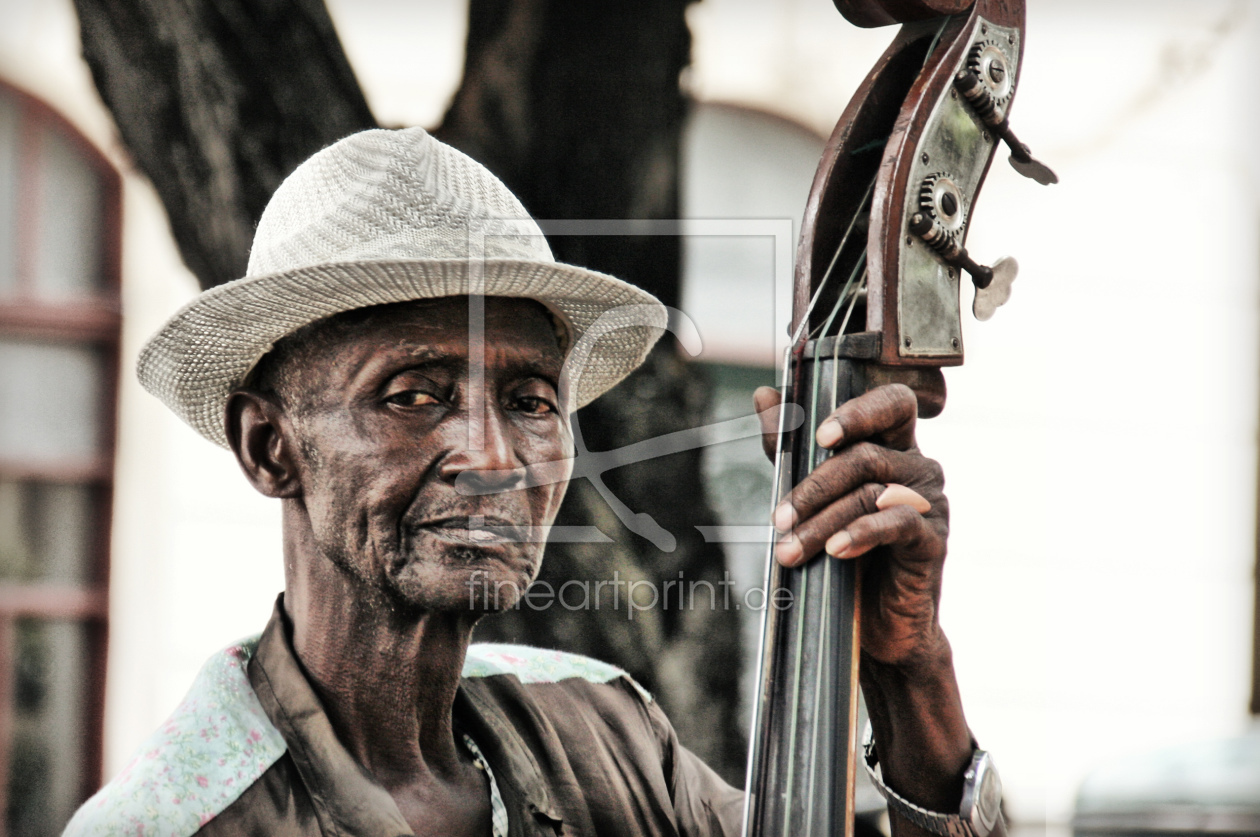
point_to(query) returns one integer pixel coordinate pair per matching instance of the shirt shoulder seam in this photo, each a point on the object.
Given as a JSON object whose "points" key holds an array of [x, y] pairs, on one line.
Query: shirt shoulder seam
{"points": [[532, 665]]}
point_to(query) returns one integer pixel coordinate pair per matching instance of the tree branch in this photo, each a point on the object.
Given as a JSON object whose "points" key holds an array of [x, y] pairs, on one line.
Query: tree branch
{"points": [[218, 100]]}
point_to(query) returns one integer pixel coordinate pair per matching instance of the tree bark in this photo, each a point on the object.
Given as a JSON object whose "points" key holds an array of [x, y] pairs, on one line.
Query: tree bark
{"points": [[576, 106], [218, 100]]}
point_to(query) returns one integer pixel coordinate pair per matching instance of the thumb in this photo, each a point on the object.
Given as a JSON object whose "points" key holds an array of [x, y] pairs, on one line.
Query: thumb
{"points": [[766, 401]]}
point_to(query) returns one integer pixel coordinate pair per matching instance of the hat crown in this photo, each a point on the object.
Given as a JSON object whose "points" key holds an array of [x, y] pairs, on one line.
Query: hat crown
{"points": [[391, 195]]}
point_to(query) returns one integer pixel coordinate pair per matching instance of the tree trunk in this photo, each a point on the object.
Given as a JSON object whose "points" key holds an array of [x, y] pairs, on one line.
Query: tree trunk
{"points": [[576, 106]]}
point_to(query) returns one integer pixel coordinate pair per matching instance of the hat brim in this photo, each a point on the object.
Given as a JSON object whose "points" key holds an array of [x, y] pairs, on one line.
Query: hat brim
{"points": [[206, 350]]}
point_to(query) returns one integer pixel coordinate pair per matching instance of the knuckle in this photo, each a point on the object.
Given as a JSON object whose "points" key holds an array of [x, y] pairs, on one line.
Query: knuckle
{"points": [[905, 518], [903, 399], [868, 497], [808, 496], [899, 524], [868, 458]]}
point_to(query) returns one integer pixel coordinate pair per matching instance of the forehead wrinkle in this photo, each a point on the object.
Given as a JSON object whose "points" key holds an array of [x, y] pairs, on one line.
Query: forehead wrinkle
{"points": [[428, 351], [507, 354], [533, 362]]}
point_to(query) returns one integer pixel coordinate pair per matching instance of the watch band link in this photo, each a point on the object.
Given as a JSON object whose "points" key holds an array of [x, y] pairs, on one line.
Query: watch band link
{"points": [[946, 825]]}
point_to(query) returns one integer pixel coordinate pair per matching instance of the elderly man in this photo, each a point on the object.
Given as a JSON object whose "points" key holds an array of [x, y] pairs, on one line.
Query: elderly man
{"points": [[398, 368]]}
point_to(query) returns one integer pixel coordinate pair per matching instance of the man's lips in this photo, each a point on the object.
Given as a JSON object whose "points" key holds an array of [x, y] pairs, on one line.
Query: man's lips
{"points": [[476, 530]]}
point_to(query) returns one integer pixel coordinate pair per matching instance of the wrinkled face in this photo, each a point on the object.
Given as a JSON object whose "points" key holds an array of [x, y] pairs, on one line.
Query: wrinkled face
{"points": [[388, 420]]}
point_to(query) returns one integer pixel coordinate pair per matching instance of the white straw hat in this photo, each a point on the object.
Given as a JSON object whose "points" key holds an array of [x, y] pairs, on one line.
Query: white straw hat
{"points": [[379, 217]]}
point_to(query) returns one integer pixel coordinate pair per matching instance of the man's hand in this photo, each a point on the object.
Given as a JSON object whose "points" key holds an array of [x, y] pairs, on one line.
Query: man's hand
{"points": [[878, 496], [877, 490]]}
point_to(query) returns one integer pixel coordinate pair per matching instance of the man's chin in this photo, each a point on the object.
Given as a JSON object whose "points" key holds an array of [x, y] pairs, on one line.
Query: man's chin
{"points": [[482, 581]]}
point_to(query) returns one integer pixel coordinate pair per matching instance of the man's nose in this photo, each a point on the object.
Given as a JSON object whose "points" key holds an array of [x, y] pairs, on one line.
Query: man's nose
{"points": [[484, 459]]}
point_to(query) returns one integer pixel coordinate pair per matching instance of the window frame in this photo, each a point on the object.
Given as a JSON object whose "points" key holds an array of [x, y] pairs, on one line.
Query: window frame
{"points": [[96, 321]]}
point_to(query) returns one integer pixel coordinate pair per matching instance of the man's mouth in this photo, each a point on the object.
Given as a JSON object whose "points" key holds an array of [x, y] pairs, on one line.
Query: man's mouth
{"points": [[476, 530]]}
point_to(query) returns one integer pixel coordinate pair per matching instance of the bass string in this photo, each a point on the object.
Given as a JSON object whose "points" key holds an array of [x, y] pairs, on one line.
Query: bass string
{"points": [[823, 663], [825, 650], [794, 714], [797, 674], [835, 351], [831, 266]]}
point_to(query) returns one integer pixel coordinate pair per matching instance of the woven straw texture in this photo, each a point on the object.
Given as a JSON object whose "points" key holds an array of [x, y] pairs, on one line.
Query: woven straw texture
{"points": [[380, 217]]}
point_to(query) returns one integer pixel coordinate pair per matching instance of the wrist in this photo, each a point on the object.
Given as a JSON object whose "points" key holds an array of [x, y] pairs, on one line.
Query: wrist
{"points": [[979, 815], [916, 712]]}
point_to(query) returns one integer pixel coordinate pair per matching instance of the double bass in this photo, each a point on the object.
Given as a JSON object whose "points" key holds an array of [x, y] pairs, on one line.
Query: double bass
{"points": [[878, 283]]}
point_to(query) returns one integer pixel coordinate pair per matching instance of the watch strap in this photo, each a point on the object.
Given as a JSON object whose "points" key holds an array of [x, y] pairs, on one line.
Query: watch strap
{"points": [[946, 825]]}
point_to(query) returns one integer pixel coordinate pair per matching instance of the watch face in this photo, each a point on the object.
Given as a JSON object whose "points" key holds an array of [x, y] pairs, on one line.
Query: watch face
{"points": [[982, 795], [990, 795]]}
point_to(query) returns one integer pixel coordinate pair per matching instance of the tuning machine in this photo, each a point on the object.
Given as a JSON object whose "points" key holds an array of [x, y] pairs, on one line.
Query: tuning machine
{"points": [[940, 222], [986, 83]]}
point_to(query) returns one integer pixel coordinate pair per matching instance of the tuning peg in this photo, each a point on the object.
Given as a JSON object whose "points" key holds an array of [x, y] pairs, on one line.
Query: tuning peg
{"points": [[996, 289], [993, 284], [1023, 161], [976, 92]]}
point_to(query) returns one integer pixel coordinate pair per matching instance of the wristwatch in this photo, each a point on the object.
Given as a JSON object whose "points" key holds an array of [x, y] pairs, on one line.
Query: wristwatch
{"points": [[981, 800]]}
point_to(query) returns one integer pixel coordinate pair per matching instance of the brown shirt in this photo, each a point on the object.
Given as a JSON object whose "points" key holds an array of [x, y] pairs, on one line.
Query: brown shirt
{"points": [[571, 757]]}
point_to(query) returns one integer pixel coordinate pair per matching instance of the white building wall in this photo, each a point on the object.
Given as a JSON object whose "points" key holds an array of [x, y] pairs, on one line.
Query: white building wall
{"points": [[1100, 443], [195, 553]]}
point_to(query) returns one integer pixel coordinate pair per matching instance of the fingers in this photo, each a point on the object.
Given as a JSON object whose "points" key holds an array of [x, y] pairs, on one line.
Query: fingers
{"points": [[834, 527], [861, 464], [807, 540], [895, 525], [765, 400], [887, 415], [875, 490]]}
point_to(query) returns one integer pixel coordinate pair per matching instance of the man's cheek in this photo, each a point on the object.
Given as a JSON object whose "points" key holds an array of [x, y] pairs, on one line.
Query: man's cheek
{"points": [[554, 501]]}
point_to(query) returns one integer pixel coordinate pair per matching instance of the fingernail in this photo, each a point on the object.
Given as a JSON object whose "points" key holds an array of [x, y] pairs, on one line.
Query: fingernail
{"points": [[788, 552], [784, 517], [899, 495], [838, 545], [830, 433]]}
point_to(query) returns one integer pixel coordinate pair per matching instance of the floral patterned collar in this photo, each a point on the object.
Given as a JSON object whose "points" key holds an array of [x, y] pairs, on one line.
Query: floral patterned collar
{"points": [[219, 741]]}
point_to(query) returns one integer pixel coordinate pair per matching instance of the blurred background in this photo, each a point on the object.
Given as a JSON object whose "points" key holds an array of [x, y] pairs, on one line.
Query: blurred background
{"points": [[1100, 442]]}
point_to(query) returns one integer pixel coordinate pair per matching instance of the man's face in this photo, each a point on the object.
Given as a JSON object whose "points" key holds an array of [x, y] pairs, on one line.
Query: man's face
{"points": [[388, 420]]}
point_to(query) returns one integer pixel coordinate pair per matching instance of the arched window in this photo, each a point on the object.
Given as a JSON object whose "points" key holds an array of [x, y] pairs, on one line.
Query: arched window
{"points": [[59, 336]]}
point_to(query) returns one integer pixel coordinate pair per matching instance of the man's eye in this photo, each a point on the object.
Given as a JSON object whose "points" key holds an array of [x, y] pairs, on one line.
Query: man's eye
{"points": [[411, 398], [534, 405]]}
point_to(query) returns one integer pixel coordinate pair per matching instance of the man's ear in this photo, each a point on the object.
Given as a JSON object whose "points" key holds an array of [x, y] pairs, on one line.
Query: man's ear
{"points": [[259, 437]]}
